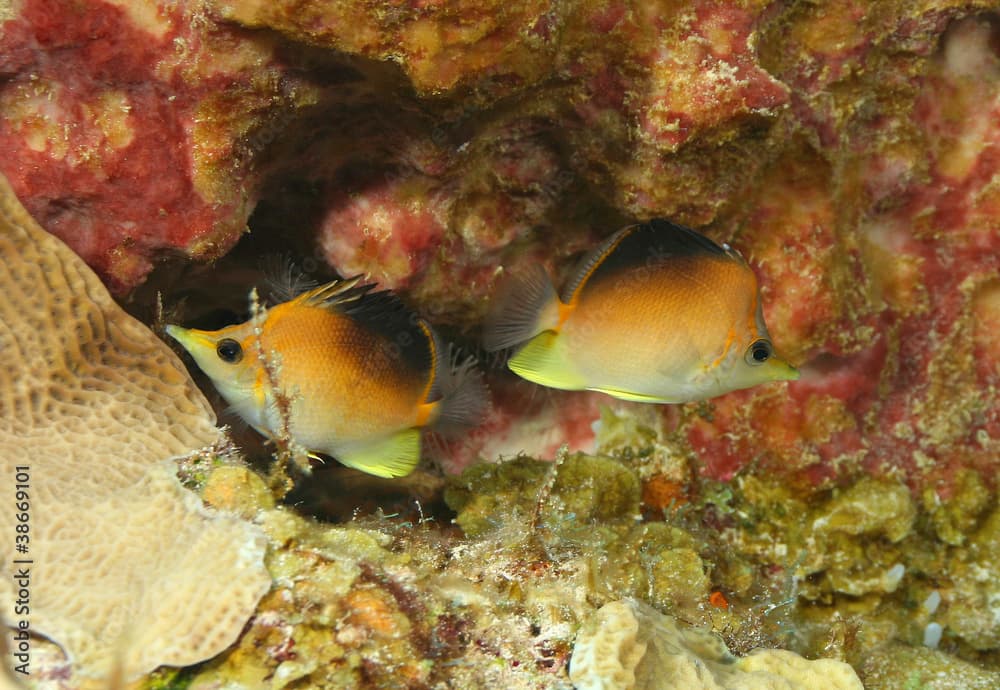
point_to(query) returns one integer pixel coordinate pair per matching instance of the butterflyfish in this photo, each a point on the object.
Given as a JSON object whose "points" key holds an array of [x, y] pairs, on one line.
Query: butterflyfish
{"points": [[657, 313], [360, 376]]}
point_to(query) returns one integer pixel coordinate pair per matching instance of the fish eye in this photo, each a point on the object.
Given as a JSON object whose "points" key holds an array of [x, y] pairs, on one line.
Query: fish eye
{"points": [[229, 350], [759, 352]]}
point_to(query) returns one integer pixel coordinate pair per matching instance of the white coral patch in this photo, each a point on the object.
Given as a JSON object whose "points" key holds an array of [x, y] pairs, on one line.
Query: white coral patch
{"points": [[627, 645]]}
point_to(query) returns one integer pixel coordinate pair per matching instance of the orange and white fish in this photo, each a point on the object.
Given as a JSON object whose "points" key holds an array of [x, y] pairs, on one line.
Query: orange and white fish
{"points": [[363, 375], [657, 313]]}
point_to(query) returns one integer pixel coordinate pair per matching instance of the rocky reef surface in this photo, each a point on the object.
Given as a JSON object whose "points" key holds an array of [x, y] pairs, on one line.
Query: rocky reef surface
{"points": [[849, 150]]}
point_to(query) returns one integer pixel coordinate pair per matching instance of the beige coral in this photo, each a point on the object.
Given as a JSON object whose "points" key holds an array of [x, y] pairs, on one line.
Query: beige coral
{"points": [[628, 644], [128, 570]]}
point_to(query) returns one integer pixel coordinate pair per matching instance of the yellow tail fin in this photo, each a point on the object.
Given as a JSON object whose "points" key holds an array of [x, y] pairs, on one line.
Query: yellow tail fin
{"points": [[543, 361], [393, 456]]}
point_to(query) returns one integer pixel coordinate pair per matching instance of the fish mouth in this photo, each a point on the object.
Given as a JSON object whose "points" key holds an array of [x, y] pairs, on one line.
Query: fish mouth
{"points": [[181, 335], [190, 339], [785, 372]]}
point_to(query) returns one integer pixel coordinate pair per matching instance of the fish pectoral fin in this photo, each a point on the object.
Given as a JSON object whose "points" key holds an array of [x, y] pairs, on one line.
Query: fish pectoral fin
{"points": [[633, 397], [543, 361], [525, 306], [393, 456]]}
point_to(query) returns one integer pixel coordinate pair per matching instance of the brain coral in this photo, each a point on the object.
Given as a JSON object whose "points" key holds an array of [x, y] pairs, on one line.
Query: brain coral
{"points": [[127, 568]]}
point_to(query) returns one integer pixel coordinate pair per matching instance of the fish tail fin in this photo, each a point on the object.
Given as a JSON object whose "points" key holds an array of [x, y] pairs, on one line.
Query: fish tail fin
{"points": [[526, 305], [462, 395], [543, 361], [389, 457]]}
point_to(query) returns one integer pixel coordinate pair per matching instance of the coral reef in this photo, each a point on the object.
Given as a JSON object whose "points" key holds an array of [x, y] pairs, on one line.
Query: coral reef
{"points": [[388, 602], [848, 150], [119, 565], [382, 603], [385, 601]]}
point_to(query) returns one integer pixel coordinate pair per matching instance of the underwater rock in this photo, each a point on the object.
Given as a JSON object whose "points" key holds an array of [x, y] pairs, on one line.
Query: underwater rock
{"points": [[870, 507], [974, 605], [887, 252], [127, 569], [627, 645], [383, 603], [583, 489], [130, 130], [591, 503], [847, 150]]}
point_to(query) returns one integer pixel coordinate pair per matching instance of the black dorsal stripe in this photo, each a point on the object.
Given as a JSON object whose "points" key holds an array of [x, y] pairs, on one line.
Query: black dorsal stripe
{"points": [[645, 244], [383, 314]]}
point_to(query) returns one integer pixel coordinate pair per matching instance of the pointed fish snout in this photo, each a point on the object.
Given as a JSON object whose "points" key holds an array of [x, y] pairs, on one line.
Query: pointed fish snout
{"points": [[785, 371]]}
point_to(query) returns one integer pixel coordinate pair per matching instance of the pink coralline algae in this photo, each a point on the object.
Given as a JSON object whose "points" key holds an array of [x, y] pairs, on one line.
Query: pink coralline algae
{"points": [[122, 125], [885, 277], [849, 150]]}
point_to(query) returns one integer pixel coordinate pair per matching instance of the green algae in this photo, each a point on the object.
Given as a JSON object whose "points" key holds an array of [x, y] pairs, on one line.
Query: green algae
{"points": [[170, 679]]}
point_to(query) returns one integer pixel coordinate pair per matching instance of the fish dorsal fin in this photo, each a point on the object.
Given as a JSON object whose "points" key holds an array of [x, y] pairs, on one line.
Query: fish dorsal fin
{"points": [[589, 263], [647, 244], [336, 293], [380, 312], [283, 279]]}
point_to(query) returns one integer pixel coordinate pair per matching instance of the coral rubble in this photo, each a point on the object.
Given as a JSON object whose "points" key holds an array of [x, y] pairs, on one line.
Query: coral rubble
{"points": [[382, 603], [126, 570], [902, 666]]}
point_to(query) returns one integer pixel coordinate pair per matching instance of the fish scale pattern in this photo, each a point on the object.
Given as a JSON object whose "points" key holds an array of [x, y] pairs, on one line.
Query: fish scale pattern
{"points": [[129, 570]]}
